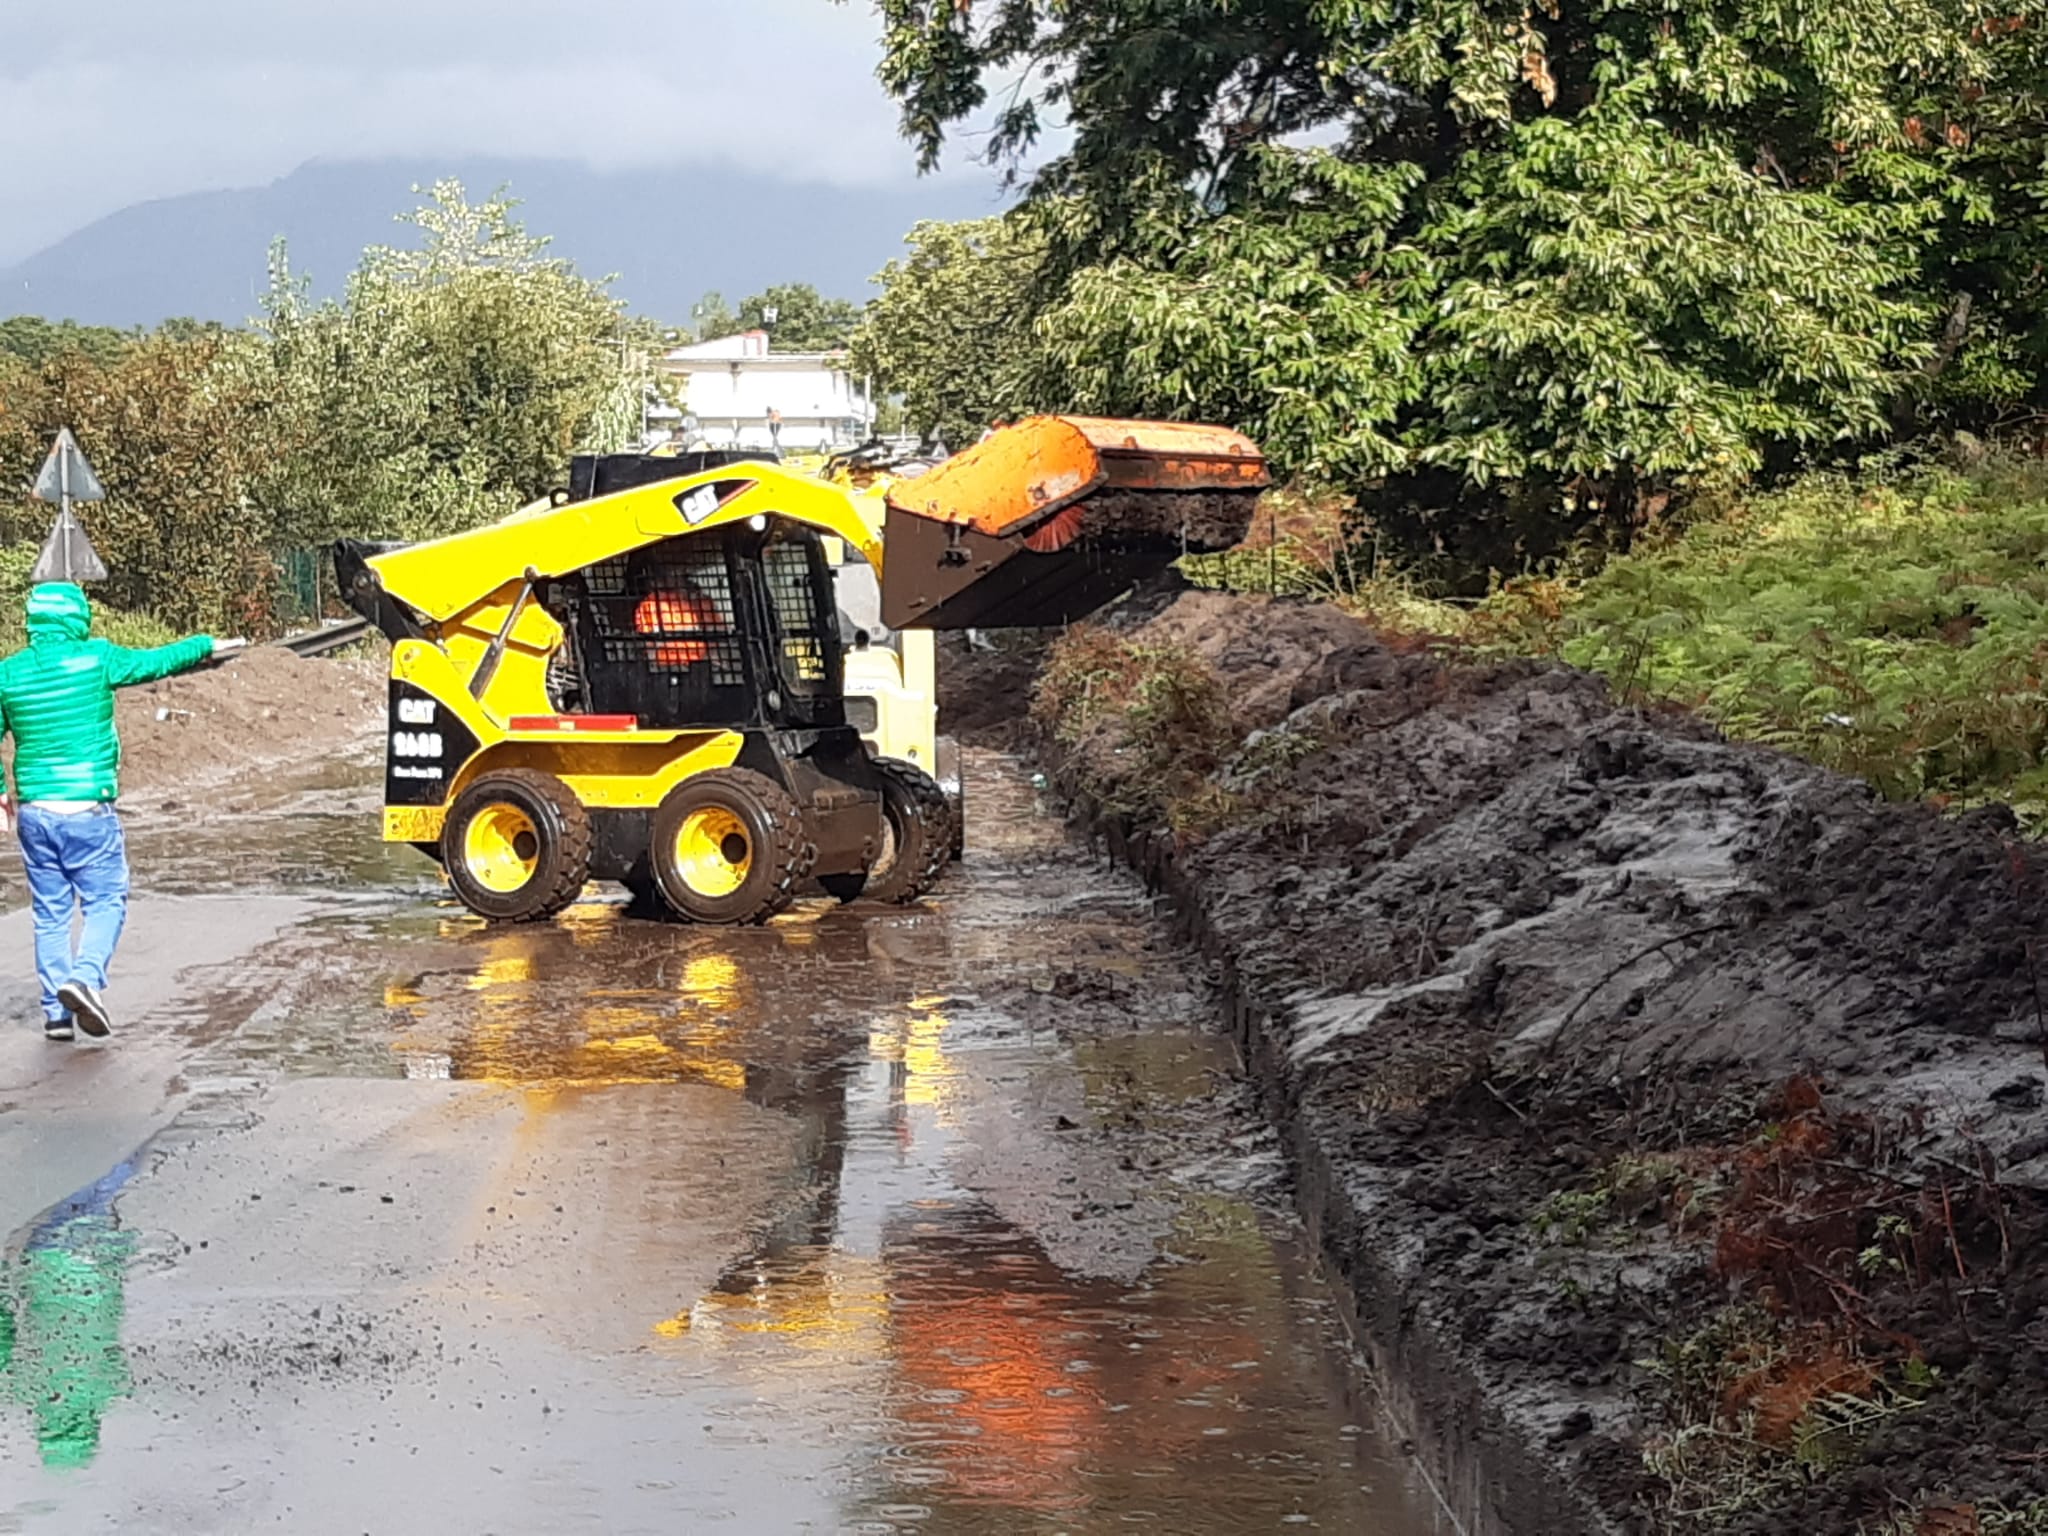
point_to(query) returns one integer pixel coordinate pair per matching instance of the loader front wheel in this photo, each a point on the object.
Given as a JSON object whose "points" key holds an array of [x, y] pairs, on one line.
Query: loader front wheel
{"points": [[920, 830], [517, 845], [729, 847]]}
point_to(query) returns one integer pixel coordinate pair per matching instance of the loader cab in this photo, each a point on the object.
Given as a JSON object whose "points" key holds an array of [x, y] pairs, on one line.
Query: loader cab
{"points": [[733, 628]]}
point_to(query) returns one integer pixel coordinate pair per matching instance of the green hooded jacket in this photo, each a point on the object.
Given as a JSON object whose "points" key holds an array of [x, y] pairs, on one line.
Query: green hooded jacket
{"points": [[57, 696]]}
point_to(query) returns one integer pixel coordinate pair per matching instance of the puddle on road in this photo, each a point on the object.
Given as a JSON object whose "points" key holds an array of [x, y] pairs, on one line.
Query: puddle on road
{"points": [[1027, 1267]]}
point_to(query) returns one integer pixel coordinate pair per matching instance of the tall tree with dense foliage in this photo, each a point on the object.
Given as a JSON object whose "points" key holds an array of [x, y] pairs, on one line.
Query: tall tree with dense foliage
{"points": [[805, 320], [450, 383], [1545, 257], [951, 331], [177, 427], [711, 317]]}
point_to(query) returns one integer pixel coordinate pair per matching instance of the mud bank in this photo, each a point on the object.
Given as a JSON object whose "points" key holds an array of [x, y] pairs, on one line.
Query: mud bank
{"points": [[268, 707], [1673, 1109]]}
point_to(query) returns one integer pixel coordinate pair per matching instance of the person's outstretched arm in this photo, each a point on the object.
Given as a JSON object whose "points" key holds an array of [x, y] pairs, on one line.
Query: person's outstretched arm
{"points": [[126, 667]]}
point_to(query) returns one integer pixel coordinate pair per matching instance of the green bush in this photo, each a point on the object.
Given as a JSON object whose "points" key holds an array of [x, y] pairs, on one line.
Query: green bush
{"points": [[1897, 629]]}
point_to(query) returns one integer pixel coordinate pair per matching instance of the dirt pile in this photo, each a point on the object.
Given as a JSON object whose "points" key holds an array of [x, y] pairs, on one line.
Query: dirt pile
{"points": [[985, 684], [1605, 1042], [264, 707]]}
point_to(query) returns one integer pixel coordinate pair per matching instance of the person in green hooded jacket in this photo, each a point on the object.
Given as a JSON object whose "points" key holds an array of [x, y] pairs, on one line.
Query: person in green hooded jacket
{"points": [[57, 701]]}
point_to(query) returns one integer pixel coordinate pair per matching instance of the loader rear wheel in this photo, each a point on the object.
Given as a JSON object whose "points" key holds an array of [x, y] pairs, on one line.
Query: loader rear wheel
{"points": [[729, 847], [517, 845], [920, 831]]}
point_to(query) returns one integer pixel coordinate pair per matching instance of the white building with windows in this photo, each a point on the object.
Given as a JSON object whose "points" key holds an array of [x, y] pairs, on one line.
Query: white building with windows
{"points": [[741, 395]]}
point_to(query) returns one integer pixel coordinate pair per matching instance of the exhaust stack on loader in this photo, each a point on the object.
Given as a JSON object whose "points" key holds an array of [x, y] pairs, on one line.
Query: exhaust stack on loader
{"points": [[1044, 522], [648, 686]]}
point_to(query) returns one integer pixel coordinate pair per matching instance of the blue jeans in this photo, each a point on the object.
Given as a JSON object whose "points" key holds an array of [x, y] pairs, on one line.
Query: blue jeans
{"points": [[74, 862]]}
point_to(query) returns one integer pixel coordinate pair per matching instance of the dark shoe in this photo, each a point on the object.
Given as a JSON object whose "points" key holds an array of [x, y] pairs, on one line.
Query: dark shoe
{"points": [[86, 1007], [56, 1029]]}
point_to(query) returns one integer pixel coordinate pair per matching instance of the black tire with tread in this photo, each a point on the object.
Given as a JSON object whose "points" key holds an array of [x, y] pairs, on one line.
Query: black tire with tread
{"points": [[780, 849], [921, 819], [563, 829]]}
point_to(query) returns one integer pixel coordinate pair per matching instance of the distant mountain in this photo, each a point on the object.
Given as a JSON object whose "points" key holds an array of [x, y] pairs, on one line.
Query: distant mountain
{"points": [[670, 234]]}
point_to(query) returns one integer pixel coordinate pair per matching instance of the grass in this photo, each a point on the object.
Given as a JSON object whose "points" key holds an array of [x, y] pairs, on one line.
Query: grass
{"points": [[1894, 630], [1147, 725], [1755, 1408], [1892, 626]]}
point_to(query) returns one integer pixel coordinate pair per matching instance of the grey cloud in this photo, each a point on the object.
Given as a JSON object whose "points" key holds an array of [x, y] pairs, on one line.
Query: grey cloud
{"points": [[106, 102]]}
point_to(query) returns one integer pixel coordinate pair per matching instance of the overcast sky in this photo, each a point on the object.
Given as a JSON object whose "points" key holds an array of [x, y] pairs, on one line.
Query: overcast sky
{"points": [[107, 102]]}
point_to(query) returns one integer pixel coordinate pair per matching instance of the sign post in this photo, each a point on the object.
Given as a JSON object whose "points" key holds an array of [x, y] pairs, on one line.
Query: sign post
{"points": [[68, 554]]}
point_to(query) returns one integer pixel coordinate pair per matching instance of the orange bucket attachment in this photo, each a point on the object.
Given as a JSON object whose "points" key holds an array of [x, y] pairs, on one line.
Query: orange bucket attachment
{"points": [[1045, 521]]}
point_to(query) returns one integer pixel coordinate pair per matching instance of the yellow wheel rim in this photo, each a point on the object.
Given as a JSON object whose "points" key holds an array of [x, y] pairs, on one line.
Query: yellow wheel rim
{"points": [[713, 852], [501, 848]]}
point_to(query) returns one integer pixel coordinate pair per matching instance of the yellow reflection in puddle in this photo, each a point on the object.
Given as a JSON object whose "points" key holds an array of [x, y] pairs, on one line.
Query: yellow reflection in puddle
{"points": [[590, 922], [512, 1037], [924, 1060], [502, 969], [918, 1043], [715, 980], [843, 1309]]}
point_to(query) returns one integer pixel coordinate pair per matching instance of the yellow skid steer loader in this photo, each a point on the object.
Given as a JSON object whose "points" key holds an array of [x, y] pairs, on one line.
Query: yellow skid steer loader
{"points": [[648, 685]]}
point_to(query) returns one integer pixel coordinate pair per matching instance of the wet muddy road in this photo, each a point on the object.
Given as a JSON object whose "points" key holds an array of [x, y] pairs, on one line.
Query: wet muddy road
{"points": [[376, 1219]]}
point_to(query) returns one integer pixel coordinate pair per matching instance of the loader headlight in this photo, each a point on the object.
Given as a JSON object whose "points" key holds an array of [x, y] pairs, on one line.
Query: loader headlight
{"points": [[758, 522]]}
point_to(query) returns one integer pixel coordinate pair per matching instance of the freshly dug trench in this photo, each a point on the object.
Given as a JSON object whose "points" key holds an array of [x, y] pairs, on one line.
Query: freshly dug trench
{"points": [[1615, 1042]]}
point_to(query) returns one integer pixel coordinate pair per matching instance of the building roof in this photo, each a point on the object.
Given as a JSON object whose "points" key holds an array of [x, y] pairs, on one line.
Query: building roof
{"points": [[750, 347]]}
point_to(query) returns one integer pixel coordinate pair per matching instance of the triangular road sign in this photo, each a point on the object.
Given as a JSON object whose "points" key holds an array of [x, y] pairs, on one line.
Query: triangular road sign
{"points": [[65, 473], [68, 554]]}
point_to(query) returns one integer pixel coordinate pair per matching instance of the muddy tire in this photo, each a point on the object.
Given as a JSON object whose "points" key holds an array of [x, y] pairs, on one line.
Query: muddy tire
{"points": [[920, 827], [516, 846], [728, 847]]}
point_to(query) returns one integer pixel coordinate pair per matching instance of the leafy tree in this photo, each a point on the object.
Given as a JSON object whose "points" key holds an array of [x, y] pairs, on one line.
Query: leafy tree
{"points": [[450, 383], [804, 320], [950, 332], [176, 429], [1550, 262], [36, 340], [712, 318]]}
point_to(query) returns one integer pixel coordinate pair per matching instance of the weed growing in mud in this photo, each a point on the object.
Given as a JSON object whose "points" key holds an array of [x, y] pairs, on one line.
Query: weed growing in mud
{"points": [[1757, 1407], [1892, 1250], [1988, 1517], [1146, 725], [1628, 1191], [1570, 1217]]}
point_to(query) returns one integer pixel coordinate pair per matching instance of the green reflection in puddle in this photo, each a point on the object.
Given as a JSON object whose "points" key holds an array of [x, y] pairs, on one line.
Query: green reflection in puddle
{"points": [[60, 1322]]}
